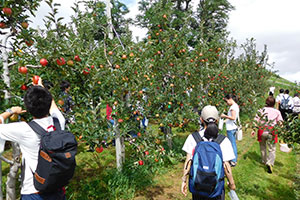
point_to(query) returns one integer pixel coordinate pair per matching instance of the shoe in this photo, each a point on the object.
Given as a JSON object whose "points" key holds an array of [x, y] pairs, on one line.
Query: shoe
{"points": [[270, 169], [232, 164]]}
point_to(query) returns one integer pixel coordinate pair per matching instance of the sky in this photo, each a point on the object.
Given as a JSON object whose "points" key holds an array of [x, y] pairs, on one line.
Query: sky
{"points": [[270, 22]]}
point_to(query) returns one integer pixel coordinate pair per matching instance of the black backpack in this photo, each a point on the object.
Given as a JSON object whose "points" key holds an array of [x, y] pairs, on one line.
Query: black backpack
{"points": [[56, 160]]}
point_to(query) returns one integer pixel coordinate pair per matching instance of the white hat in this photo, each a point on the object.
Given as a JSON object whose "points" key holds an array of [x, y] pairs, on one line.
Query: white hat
{"points": [[209, 113]]}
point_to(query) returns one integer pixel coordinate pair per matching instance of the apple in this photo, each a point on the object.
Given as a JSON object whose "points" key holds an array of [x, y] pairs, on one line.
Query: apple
{"points": [[23, 70], [7, 11], [141, 162], [117, 66], [35, 79], [2, 25], [86, 71], [24, 87], [139, 134], [29, 43], [24, 25], [146, 153], [77, 58], [110, 53], [43, 62], [99, 149], [61, 102], [60, 61], [93, 66], [70, 63], [120, 120], [165, 16], [124, 57]]}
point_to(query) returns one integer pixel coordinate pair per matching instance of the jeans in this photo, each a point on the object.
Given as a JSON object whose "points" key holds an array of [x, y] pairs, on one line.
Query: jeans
{"points": [[231, 136], [41, 197]]}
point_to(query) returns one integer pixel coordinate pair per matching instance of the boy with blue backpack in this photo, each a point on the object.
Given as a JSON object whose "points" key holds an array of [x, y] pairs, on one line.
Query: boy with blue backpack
{"points": [[207, 161]]}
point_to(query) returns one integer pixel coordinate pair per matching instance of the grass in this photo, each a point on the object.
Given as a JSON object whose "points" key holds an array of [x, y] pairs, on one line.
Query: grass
{"points": [[252, 180]]}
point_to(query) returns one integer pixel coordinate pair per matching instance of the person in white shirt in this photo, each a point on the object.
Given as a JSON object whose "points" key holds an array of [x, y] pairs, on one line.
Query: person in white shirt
{"points": [[209, 118], [271, 91], [296, 101], [289, 110], [279, 97], [40, 104], [231, 123]]}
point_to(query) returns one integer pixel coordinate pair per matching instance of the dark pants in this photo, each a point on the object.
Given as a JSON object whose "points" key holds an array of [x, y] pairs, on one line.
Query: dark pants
{"points": [[51, 196], [221, 197]]}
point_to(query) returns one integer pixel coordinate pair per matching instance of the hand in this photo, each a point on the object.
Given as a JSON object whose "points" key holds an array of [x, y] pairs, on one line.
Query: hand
{"points": [[17, 110], [223, 116], [184, 188], [231, 186], [252, 134]]}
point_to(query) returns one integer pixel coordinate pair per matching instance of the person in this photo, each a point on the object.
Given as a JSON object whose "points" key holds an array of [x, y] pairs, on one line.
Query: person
{"points": [[68, 102], [209, 118], [288, 109], [231, 123], [271, 91], [278, 98], [296, 102], [269, 117], [40, 104]]}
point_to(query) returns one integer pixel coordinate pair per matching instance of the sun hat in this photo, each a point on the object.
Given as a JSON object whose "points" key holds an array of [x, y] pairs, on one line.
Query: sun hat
{"points": [[210, 113]]}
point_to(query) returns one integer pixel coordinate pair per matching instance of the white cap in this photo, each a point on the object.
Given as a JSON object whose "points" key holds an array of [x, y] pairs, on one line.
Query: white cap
{"points": [[209, 112]]}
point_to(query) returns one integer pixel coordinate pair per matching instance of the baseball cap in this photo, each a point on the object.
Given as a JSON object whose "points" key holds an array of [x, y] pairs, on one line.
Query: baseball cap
{"points": [[209, 112]]}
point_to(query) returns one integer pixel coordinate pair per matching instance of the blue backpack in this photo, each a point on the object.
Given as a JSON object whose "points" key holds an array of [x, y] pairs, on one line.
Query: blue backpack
{"points": [[207, 172]]}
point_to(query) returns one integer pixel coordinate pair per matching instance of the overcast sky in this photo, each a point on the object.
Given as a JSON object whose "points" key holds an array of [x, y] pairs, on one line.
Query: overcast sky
{"points": [[271, 22]]}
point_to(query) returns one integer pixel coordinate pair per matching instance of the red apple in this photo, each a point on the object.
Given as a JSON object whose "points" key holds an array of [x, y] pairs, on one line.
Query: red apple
{"points": [[86, 71], [7, 11], [23, 70], [141, 162], [43, 62], [60, 61], [29, 43], [24, 87], [146, 153], [120, 120], [2, 25], [99, 149], [70, 63], [35, 79], [77, 58]]}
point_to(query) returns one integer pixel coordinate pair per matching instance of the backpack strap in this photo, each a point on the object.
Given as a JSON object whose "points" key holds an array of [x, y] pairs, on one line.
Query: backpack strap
{"points": [[56, 124], [220, 138], [197, 137], [37, 128]]}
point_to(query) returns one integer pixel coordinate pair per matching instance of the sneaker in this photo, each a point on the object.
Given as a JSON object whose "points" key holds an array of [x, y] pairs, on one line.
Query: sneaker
{"points": [[232, 164], [269, 168]]}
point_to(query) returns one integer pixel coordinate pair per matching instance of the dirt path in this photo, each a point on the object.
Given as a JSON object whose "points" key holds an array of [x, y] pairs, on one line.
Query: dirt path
{"points": [[168, 185]]}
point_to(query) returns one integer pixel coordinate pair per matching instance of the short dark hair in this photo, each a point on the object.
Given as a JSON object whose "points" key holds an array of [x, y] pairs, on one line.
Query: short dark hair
{"points": [[38, 101], [230, 96], [286, 91], [270, 101], [281, 91], [64, 85]]}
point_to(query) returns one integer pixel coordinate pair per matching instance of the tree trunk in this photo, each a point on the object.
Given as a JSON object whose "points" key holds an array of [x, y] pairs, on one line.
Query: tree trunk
{"points": [[169, 137], [13, 172], [5, 74], [109, 20], [120, 146]]}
